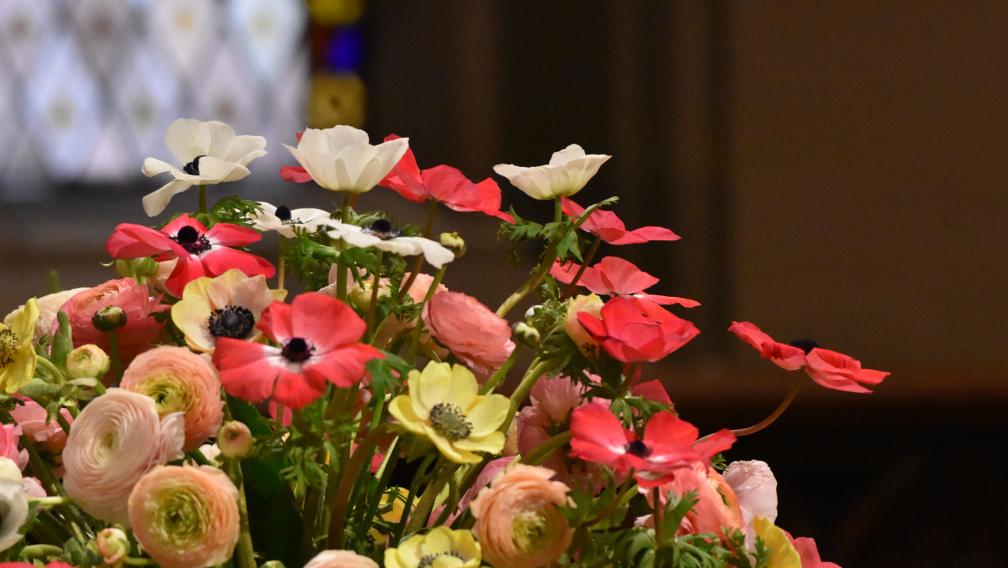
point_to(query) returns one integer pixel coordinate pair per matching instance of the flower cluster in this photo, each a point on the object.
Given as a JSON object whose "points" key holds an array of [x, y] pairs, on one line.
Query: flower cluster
{"points": [[193, 412]]}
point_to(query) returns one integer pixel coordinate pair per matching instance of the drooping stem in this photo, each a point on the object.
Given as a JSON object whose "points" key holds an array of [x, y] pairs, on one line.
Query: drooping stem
{"points": [[50, 368], [762, 424], [584, 266], [536, 456], [202, 199], [244, 552]]}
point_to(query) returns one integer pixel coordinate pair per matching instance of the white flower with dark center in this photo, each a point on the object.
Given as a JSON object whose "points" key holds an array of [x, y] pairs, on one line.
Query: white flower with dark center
{"points": [[566, 173], [284, 220], [209, 153], [342, 159], [382, 236]]}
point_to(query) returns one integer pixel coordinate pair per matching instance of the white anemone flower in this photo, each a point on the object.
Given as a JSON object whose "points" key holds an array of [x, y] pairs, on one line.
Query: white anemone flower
{"points": [[566, 173], [13, 511], [382, 236], [210, 153], [284, 220], [342, 159]]}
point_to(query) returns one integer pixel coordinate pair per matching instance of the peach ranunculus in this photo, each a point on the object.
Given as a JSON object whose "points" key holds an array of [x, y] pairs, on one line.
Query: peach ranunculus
{"points": [[134, 299], [716, 511], [116, 439], [34, 422], [179, 381], [185, 517], [470, 330], [518, 523], [10, 435], [340, 559], [756, 488]]}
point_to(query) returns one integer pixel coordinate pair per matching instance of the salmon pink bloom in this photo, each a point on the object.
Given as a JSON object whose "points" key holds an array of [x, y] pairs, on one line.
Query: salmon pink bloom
{"points": [[669, 444], [610, 228], [828, 368], [200, 251], [634, 330], [613, 276], [319, 341], [474, 333], [140, 330], [717, 509], [443, 184]]}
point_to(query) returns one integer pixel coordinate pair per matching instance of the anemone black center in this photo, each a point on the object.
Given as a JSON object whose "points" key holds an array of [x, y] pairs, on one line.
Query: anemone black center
{"points": [[283, 213], [805, 345], [382, 229], [297, 350], [427, 560], [192, 168], [191, 240], [231, 321], [638, 448]]}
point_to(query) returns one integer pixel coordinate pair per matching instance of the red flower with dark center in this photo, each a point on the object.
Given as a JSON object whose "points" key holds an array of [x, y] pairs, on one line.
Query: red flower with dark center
{"points": [[669, 444], [317, 340], [200, 252], [444, 184], [613, 276], [607, 226], [634, 330], [830, 369]]}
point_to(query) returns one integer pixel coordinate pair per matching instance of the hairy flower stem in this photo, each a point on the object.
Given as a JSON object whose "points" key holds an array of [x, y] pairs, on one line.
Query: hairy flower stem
{"points": [[116, 368], [762, 424], [428, 227], [350, 475], [373, 305], [50, 368], [659, 518], [244, 552], [584, 266], [536, 456]]}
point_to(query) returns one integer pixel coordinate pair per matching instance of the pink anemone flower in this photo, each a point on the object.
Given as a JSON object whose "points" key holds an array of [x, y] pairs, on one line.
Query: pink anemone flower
{"points": [[610, 228], [634, 330], [613, 276]]}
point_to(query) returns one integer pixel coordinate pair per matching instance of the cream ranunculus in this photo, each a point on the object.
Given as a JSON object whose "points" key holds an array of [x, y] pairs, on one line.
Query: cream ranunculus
{"points": [[340, 559], [284, 220], [13, 511], [209, 153], [114, 441], [566, 173], [185, 517], [342, 159], [382, 236]]}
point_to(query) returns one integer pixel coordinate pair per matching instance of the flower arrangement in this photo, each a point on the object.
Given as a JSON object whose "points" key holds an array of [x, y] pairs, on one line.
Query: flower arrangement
{"points": [[192, 412]]}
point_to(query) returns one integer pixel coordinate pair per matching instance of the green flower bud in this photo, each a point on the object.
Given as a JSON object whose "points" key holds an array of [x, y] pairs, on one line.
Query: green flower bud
{"points": [[87, 362], [454, 243], [235, 439], [113, 545], [526, 334], [109, 318]]}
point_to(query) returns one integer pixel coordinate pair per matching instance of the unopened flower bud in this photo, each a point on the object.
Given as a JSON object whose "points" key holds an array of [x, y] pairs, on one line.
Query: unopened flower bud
{"points": [[87, 362], [113, 545], [454, 243], [591, 304], [526, 334], [273, 564], [109, 318], [234, 439]]}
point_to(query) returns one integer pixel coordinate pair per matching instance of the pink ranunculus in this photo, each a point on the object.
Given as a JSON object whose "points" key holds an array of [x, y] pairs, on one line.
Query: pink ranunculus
{"points": [[117, 438], [470, 330], [140, 331], [33, 420], [756, 488], [179, 381], [553, 399], [518, 522], [10, 436], [205, 497], [340, 559], [716, 511], [48, 306]]}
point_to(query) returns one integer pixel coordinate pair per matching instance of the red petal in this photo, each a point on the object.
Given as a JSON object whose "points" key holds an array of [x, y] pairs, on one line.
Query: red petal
{"points": [[714, 443], [597, 434], [325, 321], [783, 355], [232, 235], [245, 370], [187, 269], [221, 259], [622, 276], [183, 220], [645, 235], [294, 390], [296, 174], [345, 366], [665, 428], [275, 322], [134, 241], [652, 390]]}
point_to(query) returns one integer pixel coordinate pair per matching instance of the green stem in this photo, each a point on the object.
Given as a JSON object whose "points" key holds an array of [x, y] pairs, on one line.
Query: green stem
{"points": [[244, 552], [51, 369], [762, 424], [500, 374], [534, 372], [202, 199], [536, 456], [130, 561], [659, 518], [584, 266], [40, 551], [348, 199], [419, 516], [373, 305], [281, 263], [541, 270], [419, 478], [351, 473], [418, 263], [114, 356], [49, 501], [427, 298]]}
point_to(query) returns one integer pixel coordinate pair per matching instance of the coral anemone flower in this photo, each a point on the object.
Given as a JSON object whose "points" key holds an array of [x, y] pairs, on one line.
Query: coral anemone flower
{"points": [[613, 276], [200, 252], [634, 330], [830, 369], [318, 340], [669, 443], [610, 228], [443, 184]]}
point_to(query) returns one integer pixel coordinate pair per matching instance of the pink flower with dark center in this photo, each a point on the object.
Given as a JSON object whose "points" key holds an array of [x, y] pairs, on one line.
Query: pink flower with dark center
{"points": [[613, 276], [607, 226]]}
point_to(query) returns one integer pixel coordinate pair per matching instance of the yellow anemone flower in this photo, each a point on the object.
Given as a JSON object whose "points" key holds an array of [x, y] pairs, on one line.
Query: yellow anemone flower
{"points": [[17, 354], [440, 548], [226, 306], [444, 406], [782, 552]]}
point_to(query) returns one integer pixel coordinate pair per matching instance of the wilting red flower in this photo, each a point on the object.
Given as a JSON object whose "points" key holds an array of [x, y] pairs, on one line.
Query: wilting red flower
{"points": [[443, 184], [126, 294], [830, 369], [613, 276], [669, 443], [200, 252], [319, 341], [610, 228], [633, 330]]}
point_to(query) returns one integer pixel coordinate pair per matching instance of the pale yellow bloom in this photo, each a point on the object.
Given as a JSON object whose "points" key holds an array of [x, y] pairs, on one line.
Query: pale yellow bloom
{"points": [[782, 552], [17, 355], [440, 548]]}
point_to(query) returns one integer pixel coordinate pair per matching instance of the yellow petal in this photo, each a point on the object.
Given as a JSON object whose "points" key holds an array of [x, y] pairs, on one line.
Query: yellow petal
{"points": [[402, 409], [438, 541], [20, 370], [488, 414], [434, 385], [23, 323], [492, 443], [449, 450], [782, 552], [413, 382], [463, 387]]}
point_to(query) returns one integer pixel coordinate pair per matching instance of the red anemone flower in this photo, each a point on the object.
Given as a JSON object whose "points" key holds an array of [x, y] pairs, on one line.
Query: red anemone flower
{"points": [[200, 252], [443, 184], [830, 369], [610, 228], [634, 330], [669, 443], [319, 341], [613, 276]]}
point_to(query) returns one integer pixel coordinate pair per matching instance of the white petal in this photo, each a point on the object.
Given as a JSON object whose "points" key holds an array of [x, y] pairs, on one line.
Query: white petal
{"points": [[351, 162], [244, 149], [153, 166], [569, 153], [435, 253], [214, 170], [342, 136], [156, 202], [187, 138]]}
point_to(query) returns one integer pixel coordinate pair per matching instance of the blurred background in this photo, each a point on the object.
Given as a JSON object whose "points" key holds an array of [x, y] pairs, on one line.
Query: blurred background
{"points": [[836, 170]]}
